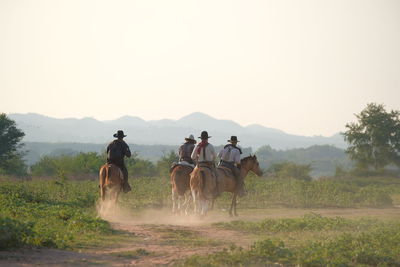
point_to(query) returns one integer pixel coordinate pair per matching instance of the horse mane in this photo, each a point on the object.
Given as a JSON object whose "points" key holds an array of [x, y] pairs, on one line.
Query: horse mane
{"points": [[247, 158]]}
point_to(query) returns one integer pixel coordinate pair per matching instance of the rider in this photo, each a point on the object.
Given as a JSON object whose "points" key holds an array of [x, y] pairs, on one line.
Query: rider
{"points": [[204, 154], [186, 149], [185, 152], [116, 151], [230, 158]]}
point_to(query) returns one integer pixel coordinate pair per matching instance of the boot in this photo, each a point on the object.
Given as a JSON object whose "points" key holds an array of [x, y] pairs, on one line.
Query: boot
{"points": [[240, 188], [126, 187]]}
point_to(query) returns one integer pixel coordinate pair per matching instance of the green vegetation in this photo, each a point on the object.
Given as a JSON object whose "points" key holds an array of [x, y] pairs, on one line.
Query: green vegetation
{"points": [[323, 159], [11, 162], [263, 193], [309, 222], [320, 193], [319, 241], [84, 166], [286, 170], [50, 214], [133, 254], [375, 139]]}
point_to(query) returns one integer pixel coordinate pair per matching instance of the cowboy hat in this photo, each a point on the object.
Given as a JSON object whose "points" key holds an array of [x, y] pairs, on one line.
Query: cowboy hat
{"points": [[190, 138], [204, 135], [119, 134], [233, 139]]}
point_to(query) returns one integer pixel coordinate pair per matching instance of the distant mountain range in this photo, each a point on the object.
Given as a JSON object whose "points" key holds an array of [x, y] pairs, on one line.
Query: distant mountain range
{"points": [[39, 128]]}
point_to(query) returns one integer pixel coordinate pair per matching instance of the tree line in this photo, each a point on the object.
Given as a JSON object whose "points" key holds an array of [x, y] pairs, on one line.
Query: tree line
{"points": [[374, 145]]}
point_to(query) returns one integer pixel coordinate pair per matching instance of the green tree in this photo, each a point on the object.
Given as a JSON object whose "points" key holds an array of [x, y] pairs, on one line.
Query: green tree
{"points": [[164, 164], [11, 161], [291, 170], [374, 140]]}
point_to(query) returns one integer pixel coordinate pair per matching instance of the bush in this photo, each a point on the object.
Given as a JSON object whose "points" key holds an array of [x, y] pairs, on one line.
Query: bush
{"points": [[13, 233], [49, 214], [376, 245], [290, 170]]}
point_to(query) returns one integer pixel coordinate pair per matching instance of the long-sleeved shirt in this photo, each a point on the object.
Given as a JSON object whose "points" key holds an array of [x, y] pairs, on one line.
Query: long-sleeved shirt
{"points": [[185, 152], [206, 154], [230, 154]]}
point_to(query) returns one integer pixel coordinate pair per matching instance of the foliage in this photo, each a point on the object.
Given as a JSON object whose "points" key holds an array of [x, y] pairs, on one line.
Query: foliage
{"points": [[314, 194], [10, 155], [80, 165], [375, 139], [309, 222], [49, 214], [140, 167], [366, 242], [86, 165], [164, 164], [13, 233], [322, 158], [291, 170]]}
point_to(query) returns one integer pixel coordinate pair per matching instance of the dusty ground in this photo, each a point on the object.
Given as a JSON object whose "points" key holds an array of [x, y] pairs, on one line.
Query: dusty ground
{"points": [[161, 239]]}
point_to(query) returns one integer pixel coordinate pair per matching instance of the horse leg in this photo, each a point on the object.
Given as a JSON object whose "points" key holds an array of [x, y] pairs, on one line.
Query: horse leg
{"points": [[194, 201], [173, 201], [188, 200], [103, 192], [234, 207], [232, 204], [212, 204]]}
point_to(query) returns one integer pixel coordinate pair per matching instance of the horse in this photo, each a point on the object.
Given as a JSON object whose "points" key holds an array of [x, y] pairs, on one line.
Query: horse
{"points": [[203, 187], [111, 179], [180, 183], [227, 183]]}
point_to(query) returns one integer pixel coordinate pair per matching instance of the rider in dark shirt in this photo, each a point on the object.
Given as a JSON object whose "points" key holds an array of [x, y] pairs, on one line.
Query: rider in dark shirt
{"points": [[116, 151]]}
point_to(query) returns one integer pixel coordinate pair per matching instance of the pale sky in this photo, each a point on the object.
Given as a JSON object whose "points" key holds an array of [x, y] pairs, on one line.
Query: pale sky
{"points": [[304, 67]]}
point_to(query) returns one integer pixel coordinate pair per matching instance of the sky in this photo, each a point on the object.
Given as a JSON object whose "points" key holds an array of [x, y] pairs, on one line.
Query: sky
{"points": [[304, 67]]}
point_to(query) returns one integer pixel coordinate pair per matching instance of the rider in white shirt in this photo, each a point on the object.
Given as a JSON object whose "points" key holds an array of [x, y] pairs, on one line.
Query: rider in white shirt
{"points": [[230, 158], [204, 152]]}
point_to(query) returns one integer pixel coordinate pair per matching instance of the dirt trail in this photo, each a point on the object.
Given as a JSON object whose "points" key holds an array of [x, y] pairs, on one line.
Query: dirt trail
{"points": [[161, 239]]}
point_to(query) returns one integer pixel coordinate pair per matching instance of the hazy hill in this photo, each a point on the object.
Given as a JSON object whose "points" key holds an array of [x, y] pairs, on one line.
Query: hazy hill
{"points": [[39, 128]]}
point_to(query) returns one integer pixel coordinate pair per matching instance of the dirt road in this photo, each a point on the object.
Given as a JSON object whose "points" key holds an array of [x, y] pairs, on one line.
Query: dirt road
{"points": [[160, 239]]}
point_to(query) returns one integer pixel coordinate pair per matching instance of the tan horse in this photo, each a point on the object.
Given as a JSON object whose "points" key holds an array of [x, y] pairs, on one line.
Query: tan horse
{"points": [[111, 179], [227, 183], [180, 183], [203, 187]]}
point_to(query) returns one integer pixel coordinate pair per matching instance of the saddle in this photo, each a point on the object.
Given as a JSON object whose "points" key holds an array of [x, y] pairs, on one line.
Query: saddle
{"points": [[186, 165], [226, 171]]}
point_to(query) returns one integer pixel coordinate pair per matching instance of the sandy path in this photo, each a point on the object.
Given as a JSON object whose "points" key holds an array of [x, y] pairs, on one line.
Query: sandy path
{"points": [[161, 239]]}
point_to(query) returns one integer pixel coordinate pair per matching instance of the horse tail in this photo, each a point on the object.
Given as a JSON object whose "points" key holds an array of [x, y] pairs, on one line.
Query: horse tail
{"points": [[202, 184], [103, 176], [178, 177]]}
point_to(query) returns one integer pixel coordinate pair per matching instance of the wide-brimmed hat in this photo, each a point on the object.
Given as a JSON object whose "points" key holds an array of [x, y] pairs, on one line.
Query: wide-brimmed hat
{"points": [[190, 138], [204, 135], [119, 134], [233, 139]]}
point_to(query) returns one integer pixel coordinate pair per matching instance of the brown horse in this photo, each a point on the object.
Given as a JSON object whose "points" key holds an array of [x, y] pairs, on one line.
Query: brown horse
{"points": [[180, 182], [227, 183], [203, 186], [111, 179]]}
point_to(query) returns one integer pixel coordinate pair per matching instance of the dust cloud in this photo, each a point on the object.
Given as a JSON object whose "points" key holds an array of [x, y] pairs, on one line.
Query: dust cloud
{"points": [[115, 213]]}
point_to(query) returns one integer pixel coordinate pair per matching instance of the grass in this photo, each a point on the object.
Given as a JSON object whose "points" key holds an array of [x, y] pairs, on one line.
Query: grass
{"points": [[312, 240], [52, 214], [133, 254], [309, 222], [62, 214]]}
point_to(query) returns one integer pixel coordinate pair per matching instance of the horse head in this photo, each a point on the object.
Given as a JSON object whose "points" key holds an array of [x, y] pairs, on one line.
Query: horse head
{"points": [[251, 164]]}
